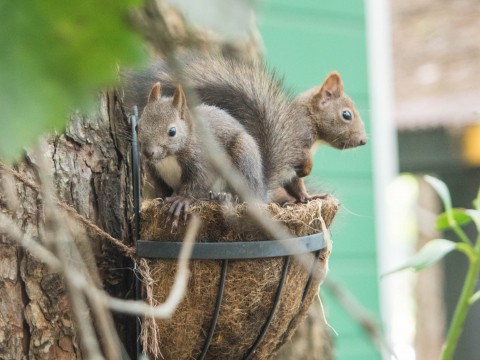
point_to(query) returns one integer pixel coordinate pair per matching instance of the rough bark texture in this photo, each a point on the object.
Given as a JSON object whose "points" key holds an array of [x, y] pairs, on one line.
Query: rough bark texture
{"points": [[90, 169]]}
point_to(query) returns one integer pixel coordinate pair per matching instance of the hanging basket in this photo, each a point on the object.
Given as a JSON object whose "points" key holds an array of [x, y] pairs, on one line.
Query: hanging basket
{"points": [[247, 293], [234, 308]]}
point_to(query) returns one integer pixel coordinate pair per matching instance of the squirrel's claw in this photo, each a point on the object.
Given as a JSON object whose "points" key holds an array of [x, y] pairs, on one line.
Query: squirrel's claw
{"points": [[303, 200], [288, 204], [318, 197], [179, 204], [215, 196], [223, 197]]}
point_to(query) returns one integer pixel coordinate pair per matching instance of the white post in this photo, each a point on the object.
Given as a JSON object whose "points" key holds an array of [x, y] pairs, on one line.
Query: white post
{"points": [[383, 139]]}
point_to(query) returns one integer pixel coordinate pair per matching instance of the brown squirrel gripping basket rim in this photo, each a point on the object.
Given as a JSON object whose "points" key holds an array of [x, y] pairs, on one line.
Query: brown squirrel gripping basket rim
{"points": [[225, 251], [213, 250]]}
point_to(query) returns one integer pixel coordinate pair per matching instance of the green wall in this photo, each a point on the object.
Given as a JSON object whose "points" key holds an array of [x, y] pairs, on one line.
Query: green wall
{"points": [[305, 40]]}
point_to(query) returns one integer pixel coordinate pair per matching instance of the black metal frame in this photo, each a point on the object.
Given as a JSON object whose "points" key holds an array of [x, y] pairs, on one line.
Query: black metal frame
{"points": [[221, 251]]}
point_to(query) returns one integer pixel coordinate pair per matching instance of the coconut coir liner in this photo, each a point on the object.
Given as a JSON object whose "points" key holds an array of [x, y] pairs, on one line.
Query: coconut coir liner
{"points": [[250, 285]]}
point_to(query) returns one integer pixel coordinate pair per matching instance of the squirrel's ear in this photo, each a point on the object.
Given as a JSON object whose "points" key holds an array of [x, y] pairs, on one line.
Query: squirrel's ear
{"points": [[331, 88], [180, 101], [155, 93]]}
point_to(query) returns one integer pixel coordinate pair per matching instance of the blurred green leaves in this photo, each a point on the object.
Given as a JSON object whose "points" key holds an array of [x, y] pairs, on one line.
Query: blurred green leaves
{"points": [[459, 216], [53, 57], [429, 254], [452, 218], [434, 250], [442, 190]]}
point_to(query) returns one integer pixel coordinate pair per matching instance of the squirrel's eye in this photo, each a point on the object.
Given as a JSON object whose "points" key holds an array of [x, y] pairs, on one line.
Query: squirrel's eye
{"points": [[172, 131], [347, 115]]}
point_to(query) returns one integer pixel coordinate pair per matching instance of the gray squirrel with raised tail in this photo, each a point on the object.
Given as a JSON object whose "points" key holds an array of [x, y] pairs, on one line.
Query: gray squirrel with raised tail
{"points": [[286, 130], [173, 158]]}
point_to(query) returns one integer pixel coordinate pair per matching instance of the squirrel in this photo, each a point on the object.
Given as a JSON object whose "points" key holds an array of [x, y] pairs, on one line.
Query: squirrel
{"points": [[172, 154], [287, 130]]}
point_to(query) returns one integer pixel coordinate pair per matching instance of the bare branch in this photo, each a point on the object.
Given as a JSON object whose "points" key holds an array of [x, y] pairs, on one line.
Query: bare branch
{"points": [[12, 231], [139, 308], [60, 238]]}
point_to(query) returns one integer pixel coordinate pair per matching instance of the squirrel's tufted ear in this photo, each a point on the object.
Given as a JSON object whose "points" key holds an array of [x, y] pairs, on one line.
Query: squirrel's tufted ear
{"points": [[331, 88], [155, 93], [180, 101]]}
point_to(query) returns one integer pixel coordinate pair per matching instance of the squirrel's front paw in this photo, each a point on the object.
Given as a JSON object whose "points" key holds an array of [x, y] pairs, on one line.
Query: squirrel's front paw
{"points": [[179, 204], [317, 197], [223, 197]]}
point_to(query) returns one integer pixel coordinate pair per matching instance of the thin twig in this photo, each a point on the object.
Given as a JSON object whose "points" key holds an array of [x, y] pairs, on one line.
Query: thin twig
{"points": [[138, 308], [63, 246], [12, 231], [105, 324]]}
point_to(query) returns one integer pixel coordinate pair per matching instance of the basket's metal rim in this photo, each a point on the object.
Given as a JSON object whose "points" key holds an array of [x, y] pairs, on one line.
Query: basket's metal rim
{"points": [[233, 250]]}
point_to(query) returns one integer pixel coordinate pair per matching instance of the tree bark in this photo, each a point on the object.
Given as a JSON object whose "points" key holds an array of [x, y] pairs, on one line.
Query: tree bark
{"points": [[90, 168]]}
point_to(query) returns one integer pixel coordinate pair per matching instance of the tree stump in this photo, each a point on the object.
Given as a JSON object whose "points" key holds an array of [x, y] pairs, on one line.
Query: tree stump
{"points": [[90, 170]]}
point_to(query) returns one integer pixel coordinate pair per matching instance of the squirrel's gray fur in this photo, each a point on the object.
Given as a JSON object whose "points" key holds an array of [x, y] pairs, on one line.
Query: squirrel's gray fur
{"points": [[173, 154], [285, 129]]}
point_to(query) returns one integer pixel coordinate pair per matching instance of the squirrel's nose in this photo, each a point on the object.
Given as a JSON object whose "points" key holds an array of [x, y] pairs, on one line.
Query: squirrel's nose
{"points": [[148, 152]]}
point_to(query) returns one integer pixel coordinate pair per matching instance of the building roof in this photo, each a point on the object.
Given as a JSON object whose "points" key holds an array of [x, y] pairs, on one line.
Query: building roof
{"points": [[446, 110], [436, 52]]}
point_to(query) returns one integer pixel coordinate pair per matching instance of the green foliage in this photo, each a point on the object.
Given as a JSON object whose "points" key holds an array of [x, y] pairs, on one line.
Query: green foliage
{"points": [[475, 297], [476, 202], [441, 189], [475, 216], [429, 254], [54, 56], [459, 215], [435, 250]]}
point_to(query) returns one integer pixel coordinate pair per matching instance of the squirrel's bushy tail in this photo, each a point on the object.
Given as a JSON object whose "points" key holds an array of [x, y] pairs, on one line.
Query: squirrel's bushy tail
{"points": [[249, 92]]}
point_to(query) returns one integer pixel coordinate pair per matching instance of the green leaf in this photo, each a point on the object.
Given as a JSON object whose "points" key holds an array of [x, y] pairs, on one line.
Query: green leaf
{"points": [[430, 253], [475, 297], [442, 191], [55, 56], [475, 216], [460, 216], [476, 202]]}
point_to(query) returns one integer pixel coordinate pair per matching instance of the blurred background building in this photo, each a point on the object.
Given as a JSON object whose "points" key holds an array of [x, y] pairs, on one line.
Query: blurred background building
{"points": [[413, 69], [436, 47]]}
